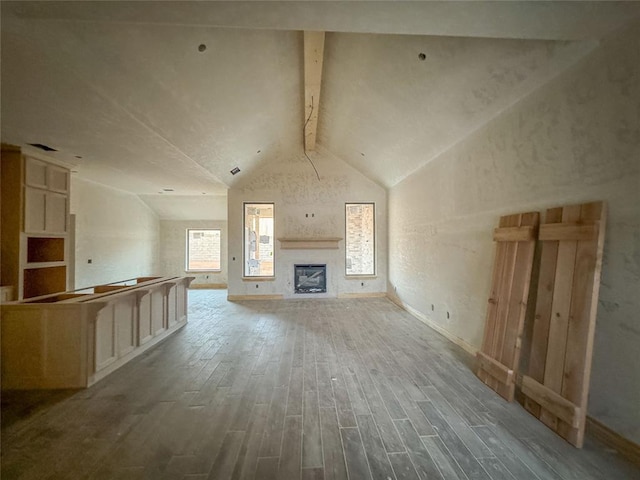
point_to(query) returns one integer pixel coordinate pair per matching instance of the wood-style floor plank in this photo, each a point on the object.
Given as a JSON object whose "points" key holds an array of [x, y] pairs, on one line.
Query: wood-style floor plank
{"points": [[311, 443], [332, 451], [226, 459], [312, 474], [290, 463], [454, 444], [357, 465], [313, 389], [272, 440], [248, 455], [390, 438], [267, 468], [376, 454], [402, 466], [443, 459], [425, 466]]}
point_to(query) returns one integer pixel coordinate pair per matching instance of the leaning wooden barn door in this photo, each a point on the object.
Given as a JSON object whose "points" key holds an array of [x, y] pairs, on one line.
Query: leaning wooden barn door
{"points": [[557, 385], [500, 353]]}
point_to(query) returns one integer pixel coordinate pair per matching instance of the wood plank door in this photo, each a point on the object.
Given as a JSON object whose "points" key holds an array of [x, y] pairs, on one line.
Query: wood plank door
{"points": [[497, 360], [557, 385]]}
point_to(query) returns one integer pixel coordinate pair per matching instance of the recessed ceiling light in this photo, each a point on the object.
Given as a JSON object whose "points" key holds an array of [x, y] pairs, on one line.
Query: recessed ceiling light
{"points": [[167, 189], [362, 154], [258, 151], [78, 156], [235, 171], [422, 56], [202, 47]]}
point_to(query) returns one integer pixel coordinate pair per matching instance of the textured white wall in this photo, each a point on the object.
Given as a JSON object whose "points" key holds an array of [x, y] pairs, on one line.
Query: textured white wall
{"points": [[294, 188], [574, 140], [114, 229], [173, 245]]}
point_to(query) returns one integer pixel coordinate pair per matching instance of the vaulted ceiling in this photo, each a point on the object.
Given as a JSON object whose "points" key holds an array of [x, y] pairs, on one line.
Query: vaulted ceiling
{"points": [[148, 96]]}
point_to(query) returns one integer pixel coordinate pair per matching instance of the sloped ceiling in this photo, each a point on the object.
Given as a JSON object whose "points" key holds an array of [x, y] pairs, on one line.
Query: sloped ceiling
{"points": [[124, 85]]}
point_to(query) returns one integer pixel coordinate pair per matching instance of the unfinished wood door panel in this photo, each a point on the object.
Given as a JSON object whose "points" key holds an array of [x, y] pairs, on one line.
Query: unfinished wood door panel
{"points": [[562, 340], [500, 353]]}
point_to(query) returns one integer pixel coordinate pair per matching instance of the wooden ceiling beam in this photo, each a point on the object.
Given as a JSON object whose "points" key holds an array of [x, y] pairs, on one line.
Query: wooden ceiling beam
{"points": [[313, 56]]}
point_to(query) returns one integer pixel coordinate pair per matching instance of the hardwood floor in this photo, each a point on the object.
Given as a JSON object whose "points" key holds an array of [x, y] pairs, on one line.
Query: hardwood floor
{"points": [[297, 389]]}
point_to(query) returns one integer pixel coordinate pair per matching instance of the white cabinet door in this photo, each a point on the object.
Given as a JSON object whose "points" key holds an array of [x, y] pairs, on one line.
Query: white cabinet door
{"points": [[35, 201], [125, 316], [57, 179], [35, 174], [46, 197], [145, 328], [105, 346], [158, 323], [56, 213]]}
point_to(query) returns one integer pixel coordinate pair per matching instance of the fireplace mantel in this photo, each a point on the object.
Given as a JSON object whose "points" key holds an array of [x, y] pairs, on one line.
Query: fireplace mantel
{"points": [[309, 243]]}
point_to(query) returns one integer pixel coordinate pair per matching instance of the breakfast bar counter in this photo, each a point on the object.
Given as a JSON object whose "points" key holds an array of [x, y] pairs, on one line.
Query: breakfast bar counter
{"points": [[73, 339]]}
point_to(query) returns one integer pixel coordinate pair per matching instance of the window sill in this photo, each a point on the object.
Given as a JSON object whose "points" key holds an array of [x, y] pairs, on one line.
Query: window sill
{"points": [[360, 277], [203, 271], [258, 279]]}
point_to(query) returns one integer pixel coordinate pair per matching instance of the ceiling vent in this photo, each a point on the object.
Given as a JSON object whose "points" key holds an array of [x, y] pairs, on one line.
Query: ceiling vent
{"points": [[41, 146]]}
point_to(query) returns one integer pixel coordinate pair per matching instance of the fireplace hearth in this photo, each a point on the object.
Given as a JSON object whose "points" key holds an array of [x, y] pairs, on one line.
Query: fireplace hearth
{"points": [[310, 278]]}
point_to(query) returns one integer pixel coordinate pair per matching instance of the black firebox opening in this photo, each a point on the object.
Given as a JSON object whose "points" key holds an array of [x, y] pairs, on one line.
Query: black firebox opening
{"points": [[310, 278]]}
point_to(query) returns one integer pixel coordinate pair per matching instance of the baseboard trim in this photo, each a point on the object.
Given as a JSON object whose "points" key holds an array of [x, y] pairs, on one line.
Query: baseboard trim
{"points": [[208, 286], [239, 298], [362, 295], [625, 447], [427, 321]]}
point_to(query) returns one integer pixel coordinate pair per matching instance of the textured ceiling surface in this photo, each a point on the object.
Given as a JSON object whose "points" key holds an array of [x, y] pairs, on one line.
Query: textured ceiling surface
{"points": [[125, 86], [387, 112]]}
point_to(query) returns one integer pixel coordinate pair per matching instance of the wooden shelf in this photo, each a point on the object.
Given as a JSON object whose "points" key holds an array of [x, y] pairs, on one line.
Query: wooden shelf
{"points": [[45, 280], [45, 249], [318, 243], [32, 265]]}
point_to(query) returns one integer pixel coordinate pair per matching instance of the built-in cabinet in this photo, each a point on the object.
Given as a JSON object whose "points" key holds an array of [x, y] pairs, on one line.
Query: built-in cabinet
{"points": [[46, 194], [73, 339], [35, 224]]}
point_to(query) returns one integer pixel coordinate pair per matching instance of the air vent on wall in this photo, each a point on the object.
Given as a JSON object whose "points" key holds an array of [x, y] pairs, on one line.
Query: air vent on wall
{"points": [[41, 146]]}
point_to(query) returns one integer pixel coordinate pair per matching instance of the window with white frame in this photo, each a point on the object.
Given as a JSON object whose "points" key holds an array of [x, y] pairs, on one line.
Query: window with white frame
{"points": [[203, 249], [360, 243], [259, 225]]}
